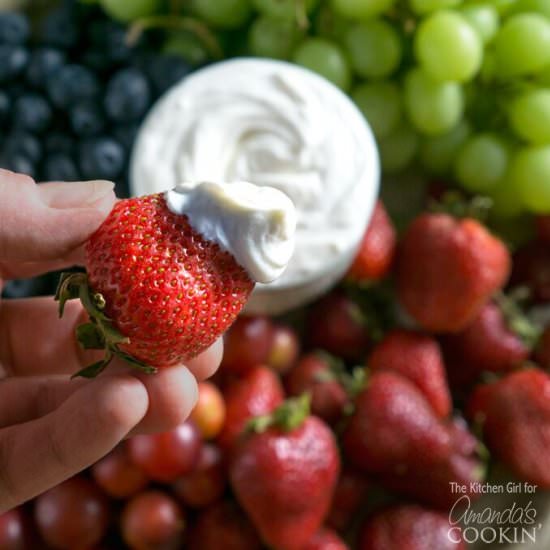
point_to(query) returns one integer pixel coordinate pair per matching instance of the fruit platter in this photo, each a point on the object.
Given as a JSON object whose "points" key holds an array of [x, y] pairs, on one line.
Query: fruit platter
{"points": [[275, 274]]}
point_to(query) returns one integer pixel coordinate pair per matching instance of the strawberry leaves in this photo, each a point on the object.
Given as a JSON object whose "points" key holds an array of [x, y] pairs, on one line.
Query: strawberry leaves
{"points": [[99, 333]]}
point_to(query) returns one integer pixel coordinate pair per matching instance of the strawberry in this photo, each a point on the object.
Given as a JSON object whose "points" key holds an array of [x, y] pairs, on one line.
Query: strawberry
{"points": [[325, 539], [258, 392], [224, 526], [313, 374], [247, 344], [447, 269], [487, 344], [409, 527], [395, 435], [532, 269], [349, 494], [377, 249], [284, 474], [515, 415], [417, 357], [157, 292], [335, 323]]}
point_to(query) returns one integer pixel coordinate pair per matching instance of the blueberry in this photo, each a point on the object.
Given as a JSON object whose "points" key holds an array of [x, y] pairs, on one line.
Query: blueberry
{"points": [[13, 60], [32, 112], [126, 134], [14, 28], [70, 84], [87, 119], [128, 95], [165, 70], [101, 158], [57, 142], [60, 167], [5, 106], [42, 64], [60, 29], [109, 38], [23, 288], [22, 144], [18, 163]]}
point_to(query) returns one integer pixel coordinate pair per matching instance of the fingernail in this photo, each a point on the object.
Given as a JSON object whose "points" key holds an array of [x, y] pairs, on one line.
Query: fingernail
{"points": [[79, 194]]}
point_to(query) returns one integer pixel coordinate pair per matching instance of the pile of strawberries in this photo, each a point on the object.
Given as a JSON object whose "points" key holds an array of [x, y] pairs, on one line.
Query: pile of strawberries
{"points": [[345, 425]]}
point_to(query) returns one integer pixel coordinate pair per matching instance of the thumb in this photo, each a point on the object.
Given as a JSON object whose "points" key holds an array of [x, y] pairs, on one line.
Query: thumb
{"points": [[49, 221]]}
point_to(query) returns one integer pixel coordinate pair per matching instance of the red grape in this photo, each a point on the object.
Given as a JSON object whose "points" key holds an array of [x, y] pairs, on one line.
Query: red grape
{"points": [[14, 531], [209, 412], [285, 349], [206, 483], [73, 515], [165, 457], [118, 475], [247, 344], [153, 520]]}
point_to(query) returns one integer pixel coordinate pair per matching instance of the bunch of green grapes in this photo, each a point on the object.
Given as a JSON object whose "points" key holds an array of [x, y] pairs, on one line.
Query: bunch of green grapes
{"points": [[459, 88]]}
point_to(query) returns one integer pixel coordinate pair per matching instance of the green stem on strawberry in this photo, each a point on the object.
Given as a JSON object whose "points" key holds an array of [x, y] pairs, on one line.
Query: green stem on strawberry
{"points": [[99, 333], [287, 417], [459, 206], [170, 22]]}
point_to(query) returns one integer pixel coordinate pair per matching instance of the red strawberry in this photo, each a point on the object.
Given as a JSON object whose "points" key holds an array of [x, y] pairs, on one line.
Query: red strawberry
{"points": [[448, 269], [247, 344], [284, 476], [158, 293], [376, 252], [224, 526], [395, 434], [349, 494], [418, 358], [313, 374], [325, 539], [259, 392], [515, 415], [409, 527], [487, 344], [532, 269], [336, 324], [542, 353]]}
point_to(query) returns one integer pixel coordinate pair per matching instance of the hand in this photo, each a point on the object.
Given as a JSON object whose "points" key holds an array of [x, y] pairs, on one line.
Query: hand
{"points": [[51, 427]]}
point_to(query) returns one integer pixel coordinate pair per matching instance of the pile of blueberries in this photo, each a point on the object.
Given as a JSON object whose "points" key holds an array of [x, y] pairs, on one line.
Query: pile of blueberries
{"points": [[73, 93]]}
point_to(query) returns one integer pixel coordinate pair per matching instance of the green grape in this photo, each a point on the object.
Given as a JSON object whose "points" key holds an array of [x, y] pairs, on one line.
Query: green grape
{"points": [[224, 14], [438, 153], [129, 10], [285, 9], [329, 24], [504, 7], [448, 47], [380, 102], [506, 200], [398, 149], [481, 163], [530, 175], [533, 6], [529, 116], [326, 58], [433, 107], [544, 76], [374, 48], [268, 37], [187, 46], [422, 7], [484, 19], [522, 45], [361, 9]]}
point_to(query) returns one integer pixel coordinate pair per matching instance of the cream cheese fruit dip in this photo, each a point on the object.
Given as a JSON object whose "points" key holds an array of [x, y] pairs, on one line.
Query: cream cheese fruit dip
{"points": [[273, 124], [255, 224]]}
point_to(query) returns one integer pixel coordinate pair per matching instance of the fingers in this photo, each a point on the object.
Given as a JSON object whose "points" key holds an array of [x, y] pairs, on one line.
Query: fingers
{"points": [[206, 364], [37, 455], [34, 341], [56, 219]]}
